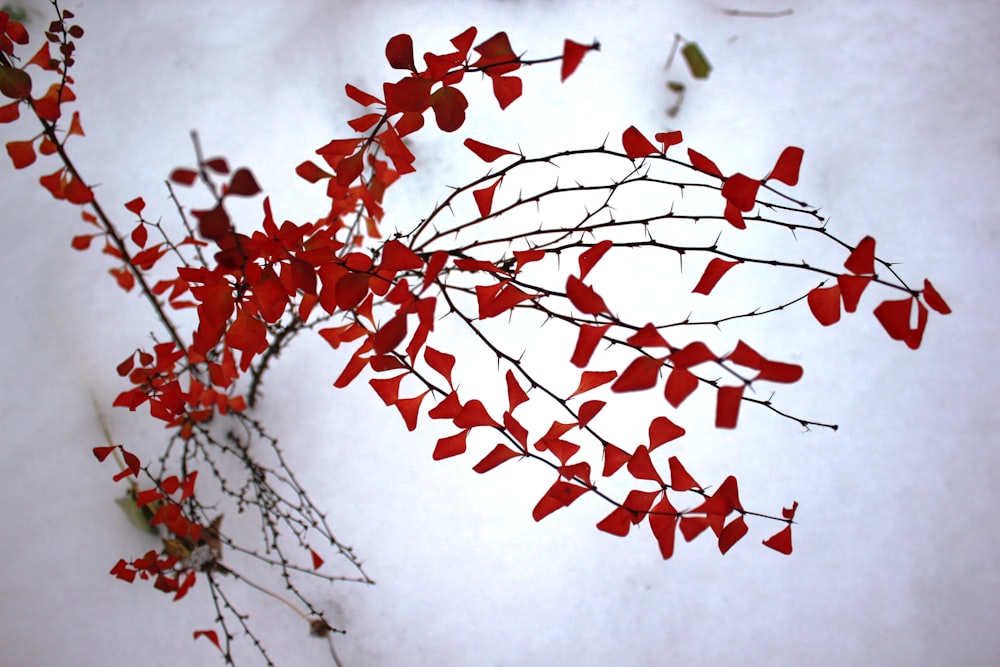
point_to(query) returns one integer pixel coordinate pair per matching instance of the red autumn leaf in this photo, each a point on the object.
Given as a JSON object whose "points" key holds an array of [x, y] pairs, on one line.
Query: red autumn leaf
{"points": [[573, 54], [781, 541], [580, 471], [515, 429], [862, 259], [824, 302], [496, 47], [592, 255], [680, 480], [662, 431], [485, 152], [786, 169], [636, 145], [561, 494], [442, 362], [680, 384], [744, 355], [243, 184], [349, 168], [474, 414], [183, 176], [210, 635], [452, 445], [789, 512], [15, 83], [409, 408], [614, 459], [588, 411], [515, 394], [387, 388], [702, 163], [619, 522], [669, 139], [851, 288], [310, 172], [591, 380], [247, 333], [136, 206], [10, 112], [74, 125], [82, 242], [727, 407], [360, 96], [507, 298], [506, 89], [934, 299], [732, 533], [103, 452], [213, 224], [663, 523], [499, 454], [895, 319], [647, 336], [484, 197], [586, 342], [123, 571], [642, 373], [449, 105], [143, 498], [409, 94], [78, 193], [692, 354], [187, 488], [733, 216], [449, 408], [22, 153], [713, 273], [741, 191], [399, 52], [583, 297], [170, 484], [390, 334], [776, 371], [434, 265], [351, 290], [641, 466], [139, 236]]}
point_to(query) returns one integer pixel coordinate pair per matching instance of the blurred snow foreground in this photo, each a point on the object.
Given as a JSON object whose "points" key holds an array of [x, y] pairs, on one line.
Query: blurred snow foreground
{"points": [[884, 571]]}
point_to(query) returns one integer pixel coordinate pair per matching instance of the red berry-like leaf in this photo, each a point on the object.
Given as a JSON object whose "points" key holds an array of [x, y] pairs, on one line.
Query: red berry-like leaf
{"points": [[713, 273], [399, 52], [781, 541], [573, 54], [449, 106], [733, 216], [933, 299], [485, 152], [103, 452], [136, 206], [390, 335], [862, 259], [636, 145], [786, 169], [669, 139], [824, 302]]}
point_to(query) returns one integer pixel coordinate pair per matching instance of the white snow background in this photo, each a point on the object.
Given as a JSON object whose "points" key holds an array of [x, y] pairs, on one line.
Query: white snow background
{"points": [[895, 559]]}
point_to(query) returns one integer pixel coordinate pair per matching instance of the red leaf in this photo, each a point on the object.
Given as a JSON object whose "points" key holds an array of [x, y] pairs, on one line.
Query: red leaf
{"points": [[170, 484], [123, 571], [247, 333], [183, 176], [387, 388], [143, 498], [449, 106], [662, 431], [310, 172], [781, 541], [136, 206], [584, 298], [515, 394], [474, 414], [22, 153], [360, 96], [82, 242], [496, 47], [617, 523], [593, 379], [588, 411], [741, 191], [507, 298], [499, 454], [647, 336], [851, 288], [691, 355], [641, 466], [10, 112], [449, 408], [484, 197], [680, 384], [713, 273], [434, 265], [515, 429], [452, 445], [862, 259], [636, 145], [702, 163], [669, 139], [573, 54], [680, 480], [349, 168], [824, 302], [663, 523], [390, 335], [399, 52], [934, 299], [727, 407], [732, 534], [464, 41], [895, 319], [485, 152], [442, 362], [789, 512], [506, 89], [139, 236], [210, 635], [409, 408], [187, 488], [614, 458], [15, 83], [243, 184], [103, 452], [642, 373], [213, 224], [561, 494], [351, 290], [592, 255], [586, 342], [78, 193], [786, 169], [733, 216]]}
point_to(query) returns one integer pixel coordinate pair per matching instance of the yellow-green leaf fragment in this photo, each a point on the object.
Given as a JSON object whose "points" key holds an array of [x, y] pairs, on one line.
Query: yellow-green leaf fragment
{"points": [[696, 60]]}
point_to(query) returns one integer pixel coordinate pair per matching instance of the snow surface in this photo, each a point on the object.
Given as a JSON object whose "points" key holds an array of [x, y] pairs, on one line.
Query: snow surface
{"points": [[896, 547]]}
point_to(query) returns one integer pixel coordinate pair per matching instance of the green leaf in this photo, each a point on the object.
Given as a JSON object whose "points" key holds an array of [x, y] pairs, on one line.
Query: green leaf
{"points": [[696, 60]]}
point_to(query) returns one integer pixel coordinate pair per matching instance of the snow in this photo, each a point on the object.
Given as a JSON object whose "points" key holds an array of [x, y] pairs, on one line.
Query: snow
{"points": [[894, 563]]}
